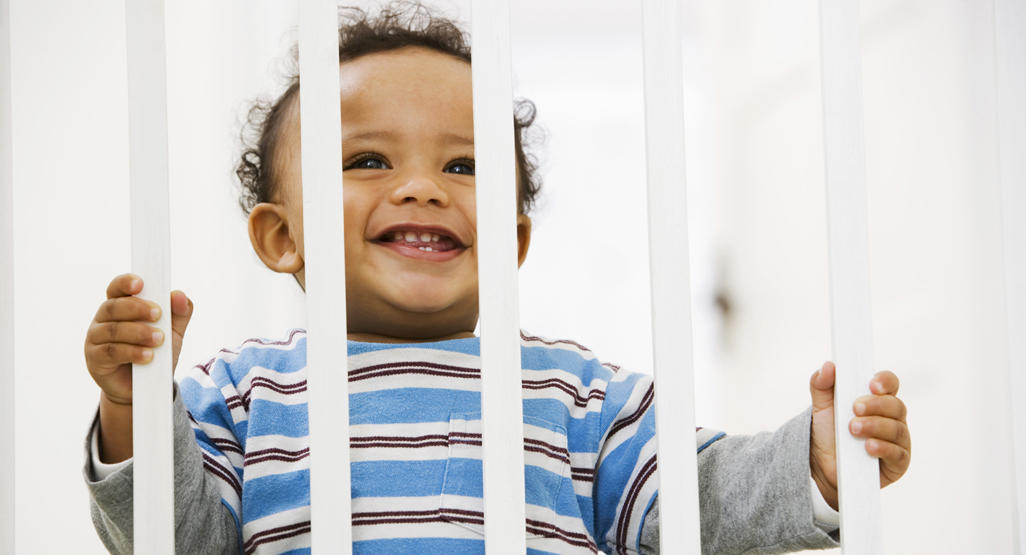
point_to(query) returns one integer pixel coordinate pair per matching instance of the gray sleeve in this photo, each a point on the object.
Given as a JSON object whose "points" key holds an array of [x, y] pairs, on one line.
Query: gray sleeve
{"points": [[754, 495], [202, 523]]}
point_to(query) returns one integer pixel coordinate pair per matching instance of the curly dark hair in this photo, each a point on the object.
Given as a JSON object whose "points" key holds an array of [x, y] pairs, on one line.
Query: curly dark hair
{"points": [[399, 25]]}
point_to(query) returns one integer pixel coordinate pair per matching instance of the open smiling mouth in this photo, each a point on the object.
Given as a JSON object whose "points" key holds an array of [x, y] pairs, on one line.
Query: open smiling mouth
{"points": [[427, 244]]}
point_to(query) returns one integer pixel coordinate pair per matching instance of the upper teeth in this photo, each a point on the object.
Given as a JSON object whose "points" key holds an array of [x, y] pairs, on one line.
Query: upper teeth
{"points": [[413, 237]]}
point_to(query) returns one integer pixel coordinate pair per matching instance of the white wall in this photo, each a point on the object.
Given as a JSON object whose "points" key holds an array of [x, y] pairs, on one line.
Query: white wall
{"points": [[756, 186]]}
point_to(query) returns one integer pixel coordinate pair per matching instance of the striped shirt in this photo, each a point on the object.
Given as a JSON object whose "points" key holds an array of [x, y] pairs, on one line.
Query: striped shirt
{"points": [[415, 446]]}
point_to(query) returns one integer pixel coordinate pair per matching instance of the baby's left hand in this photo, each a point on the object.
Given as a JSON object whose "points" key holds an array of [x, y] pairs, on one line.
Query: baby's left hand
{"points": [[879, 419]]}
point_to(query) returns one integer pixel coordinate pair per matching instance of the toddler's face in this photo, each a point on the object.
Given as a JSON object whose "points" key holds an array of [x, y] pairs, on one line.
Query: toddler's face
{"points": [[408, 173]]}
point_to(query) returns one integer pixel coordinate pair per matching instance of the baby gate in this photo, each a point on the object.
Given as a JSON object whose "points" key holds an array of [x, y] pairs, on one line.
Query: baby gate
{"points": [[500, 349]]}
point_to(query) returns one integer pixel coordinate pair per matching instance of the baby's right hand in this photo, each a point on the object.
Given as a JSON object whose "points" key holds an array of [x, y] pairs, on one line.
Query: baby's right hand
{"points": [[119, 335]]}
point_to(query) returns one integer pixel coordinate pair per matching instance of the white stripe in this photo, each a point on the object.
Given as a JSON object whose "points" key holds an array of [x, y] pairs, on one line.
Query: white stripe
{"points": [[668, 259], [1010, 19], [501, 406], [6, 288], [857, 473], [153, 453], [325, 276]]}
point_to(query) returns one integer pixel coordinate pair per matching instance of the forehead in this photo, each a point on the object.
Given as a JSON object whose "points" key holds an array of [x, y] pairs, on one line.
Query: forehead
{"points": [[407, 83]]}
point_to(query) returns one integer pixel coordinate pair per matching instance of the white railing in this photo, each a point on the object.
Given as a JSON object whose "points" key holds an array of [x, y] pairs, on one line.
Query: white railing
{"points": [[1010, 41], [153, 454], [858, 474], [500, 349], [7, 426]]}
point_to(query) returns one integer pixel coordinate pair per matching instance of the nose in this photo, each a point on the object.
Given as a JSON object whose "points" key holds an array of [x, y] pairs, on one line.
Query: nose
{"points": [[420, 188]]}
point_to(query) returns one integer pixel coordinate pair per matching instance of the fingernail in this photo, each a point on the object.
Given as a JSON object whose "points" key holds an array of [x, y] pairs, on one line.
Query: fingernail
{"points": [[134, 284], [158, 336], [154, 313], [860, 408], [147, 355], [856, 427]]}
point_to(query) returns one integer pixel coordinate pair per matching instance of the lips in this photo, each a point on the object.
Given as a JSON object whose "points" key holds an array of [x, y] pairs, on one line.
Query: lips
{"points": [[422, 242]]}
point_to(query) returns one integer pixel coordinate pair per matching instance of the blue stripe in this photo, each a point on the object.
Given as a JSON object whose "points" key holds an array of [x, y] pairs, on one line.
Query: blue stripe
{"points": [[275, 493], [412, 404], [450, 546], [285, 420], [710, 442], [280, 358]]}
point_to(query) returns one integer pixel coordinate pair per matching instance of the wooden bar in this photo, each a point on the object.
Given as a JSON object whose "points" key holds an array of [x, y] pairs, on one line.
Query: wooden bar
{"points": [[1010, 40], [153, 455], [501, 405], [670, 278], [327, 362], [7, 414], [847, 228]]}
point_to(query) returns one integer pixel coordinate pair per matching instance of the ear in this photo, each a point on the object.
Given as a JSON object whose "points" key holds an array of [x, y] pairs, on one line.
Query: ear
{"points": [[523, 237], [271, 239]]}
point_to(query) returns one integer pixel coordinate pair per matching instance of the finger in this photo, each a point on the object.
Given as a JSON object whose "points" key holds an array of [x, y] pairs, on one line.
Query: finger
{"points": [[126, 309], [821, 387], [181, 312], [111, 355], [879, 427], [124, 285], [894, 459], [880, 405], [132, 333], [884, 383]]}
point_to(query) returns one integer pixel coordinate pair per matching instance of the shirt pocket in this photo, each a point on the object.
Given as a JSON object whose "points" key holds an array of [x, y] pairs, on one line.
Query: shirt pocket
{"points": [[546, 469]]}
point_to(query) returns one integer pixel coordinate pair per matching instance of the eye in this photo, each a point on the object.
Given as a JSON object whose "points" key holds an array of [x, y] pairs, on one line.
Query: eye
{"points": [[463, 166], [368, 161]]}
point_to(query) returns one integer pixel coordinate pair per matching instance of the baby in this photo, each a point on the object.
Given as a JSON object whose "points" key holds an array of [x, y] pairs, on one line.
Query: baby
{"points": [[241, 444]]}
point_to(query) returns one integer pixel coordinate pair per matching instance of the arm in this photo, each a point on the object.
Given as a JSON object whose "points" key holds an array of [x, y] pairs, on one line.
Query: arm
{"points": [[754, 494], [202, 523]]}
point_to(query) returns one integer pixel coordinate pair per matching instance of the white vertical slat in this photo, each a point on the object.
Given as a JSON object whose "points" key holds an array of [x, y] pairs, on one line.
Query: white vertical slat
{"points": [[501, 405], [670, 277], [148, 177], [1010, 39], [858, 474], [326, 357], [6, 289]]}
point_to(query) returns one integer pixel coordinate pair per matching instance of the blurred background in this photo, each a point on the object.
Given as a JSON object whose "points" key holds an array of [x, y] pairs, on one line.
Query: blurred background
{"points": [[756, 231]]}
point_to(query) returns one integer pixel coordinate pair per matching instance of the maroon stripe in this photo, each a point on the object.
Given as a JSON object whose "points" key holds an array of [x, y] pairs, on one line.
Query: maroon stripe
{"points": [[217, 470], [226, 445], [632, 496], [205, 367], [234, 401], [583, 474], [275, 534], [551, 531], [413, 371], [645, 402], [398, 438], [612, 367], [274, 454], [554, 448], [421, 520], [399, 445], [413, 364], [555, 383], [260, 341], [554, 342]]}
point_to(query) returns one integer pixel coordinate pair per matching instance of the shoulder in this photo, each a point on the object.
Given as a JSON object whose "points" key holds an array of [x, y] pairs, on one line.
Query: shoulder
{"points": [[602, 386], [286, 354]]}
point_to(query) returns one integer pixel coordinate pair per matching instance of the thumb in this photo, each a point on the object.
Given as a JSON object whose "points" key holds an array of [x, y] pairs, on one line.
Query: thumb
{"points": [[821, 387], [181, 313]]}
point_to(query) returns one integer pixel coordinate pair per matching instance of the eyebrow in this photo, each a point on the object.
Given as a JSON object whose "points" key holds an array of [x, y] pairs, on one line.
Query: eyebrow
{"points": [[447, 138]]}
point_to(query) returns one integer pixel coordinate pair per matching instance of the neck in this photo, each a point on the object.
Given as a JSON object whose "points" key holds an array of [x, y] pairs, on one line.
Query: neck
{"points": [[375, 338]]}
